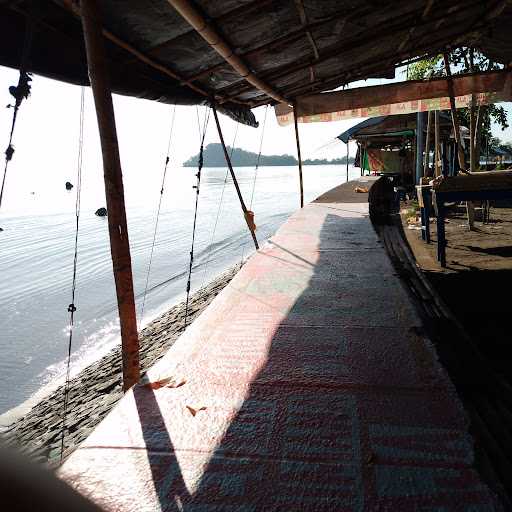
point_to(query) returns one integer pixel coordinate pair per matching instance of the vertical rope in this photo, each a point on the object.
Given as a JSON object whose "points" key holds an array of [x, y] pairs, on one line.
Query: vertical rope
{"points": [[19, 92], [256, 173], [258, 159], [162, 187], [197, 186], [72, 307], [218, 210]]}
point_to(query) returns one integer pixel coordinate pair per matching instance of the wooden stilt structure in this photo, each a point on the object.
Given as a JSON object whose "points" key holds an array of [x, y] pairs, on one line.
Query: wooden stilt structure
{"points": [[427, 145], [472, 121], [299, 158], [248, 216], [347, 160], [455, 119], [420, 141], [437, 145], [114, 192]]}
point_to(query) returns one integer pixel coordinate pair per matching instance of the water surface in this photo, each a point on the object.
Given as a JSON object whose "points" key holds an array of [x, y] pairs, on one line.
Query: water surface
{"points": [[36, 257]]}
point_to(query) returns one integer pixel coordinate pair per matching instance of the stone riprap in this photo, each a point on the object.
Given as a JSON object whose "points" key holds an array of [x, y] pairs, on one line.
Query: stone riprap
{"points": [[97, 388]]}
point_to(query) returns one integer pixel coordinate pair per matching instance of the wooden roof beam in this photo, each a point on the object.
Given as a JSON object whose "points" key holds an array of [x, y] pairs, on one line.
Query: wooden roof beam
{"points": [[345, 45], [286, 38], [304, 21], [426, 10], [219, 44], [227, 16], [71, 6], [376, 64]]}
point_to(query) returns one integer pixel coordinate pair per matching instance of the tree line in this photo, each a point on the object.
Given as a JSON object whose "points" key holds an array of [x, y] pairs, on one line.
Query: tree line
{"points": [[213, 156]]}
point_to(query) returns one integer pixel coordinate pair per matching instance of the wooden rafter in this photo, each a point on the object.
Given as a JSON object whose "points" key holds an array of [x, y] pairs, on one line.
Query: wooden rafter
{"points": [[299, 4], [426, 10], [227, 16], [344, 46], [376, 63], [71, 6], [289, 37], [193, 16]]}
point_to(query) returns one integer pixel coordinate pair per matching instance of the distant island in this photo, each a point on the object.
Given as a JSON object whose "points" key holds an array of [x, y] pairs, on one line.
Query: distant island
{"points": [[213, 156]]}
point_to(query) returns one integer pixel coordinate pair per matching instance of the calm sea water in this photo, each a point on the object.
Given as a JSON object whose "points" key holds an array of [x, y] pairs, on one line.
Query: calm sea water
{"points": [[36, 258]]}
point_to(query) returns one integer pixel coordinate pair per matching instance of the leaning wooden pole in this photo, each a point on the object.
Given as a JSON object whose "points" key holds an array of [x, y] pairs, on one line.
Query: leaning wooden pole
{"points": [[298, 155], [247, 216], [114, 192], [455, 119]]}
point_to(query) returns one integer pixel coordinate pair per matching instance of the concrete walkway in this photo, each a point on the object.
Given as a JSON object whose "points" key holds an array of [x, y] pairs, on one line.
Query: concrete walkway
{"points": [[305, 385]]}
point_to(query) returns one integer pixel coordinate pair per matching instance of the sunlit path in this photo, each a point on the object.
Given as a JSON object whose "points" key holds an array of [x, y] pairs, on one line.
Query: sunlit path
{"points": [[305, 385]]}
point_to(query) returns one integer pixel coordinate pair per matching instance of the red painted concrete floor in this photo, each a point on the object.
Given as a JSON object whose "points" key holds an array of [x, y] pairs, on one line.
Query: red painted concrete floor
{"points": [[306, 385]]}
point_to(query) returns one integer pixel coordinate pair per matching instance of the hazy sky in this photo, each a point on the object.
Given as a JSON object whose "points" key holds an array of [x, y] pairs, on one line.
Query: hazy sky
{"points": [[47, 131]]}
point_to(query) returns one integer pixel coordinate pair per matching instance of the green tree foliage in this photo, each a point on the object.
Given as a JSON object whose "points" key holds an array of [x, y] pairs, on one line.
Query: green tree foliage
{"points": [[213, 156], [460, 63]]}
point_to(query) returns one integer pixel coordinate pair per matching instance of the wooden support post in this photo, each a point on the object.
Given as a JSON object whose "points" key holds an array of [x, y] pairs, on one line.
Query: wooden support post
{"points": [[427, 145], [298, 155], [472, 120], [455, 119], [437, 144], [114, 192], [247, 217], [420, 123], [441, 234], [347, 160], [470, 206]]}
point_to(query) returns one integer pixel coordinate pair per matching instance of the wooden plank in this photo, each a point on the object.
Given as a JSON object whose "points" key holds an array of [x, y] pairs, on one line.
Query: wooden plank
{"points": [[413, 90]]}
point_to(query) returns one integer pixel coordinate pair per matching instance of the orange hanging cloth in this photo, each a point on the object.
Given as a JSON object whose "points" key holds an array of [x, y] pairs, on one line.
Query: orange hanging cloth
{"points": [[249, 216]]}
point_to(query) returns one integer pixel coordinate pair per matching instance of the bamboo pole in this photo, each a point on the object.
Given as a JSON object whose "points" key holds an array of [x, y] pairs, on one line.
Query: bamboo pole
{"points": [[74, 7], [114, 192], [247, 216], [437, 139], [470, 206], [472, 121], [347, 160], [427, 144], [298, 155], [206, 30], [455, 119], [420, 141]]}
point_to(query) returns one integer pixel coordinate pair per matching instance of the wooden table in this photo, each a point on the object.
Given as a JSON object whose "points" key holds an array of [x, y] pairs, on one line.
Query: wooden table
{"points": [[481, 186]]}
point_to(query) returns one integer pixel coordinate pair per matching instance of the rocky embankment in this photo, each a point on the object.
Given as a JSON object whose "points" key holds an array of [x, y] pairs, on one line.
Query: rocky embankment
{"points": [[97, 388]]}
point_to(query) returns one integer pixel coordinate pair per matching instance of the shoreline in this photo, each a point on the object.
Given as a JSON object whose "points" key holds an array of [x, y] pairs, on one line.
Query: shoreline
{"points": [[96, 389]]}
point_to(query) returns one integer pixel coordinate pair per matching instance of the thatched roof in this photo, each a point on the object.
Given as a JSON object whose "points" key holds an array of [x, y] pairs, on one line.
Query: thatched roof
{"points": [[293, 46]]}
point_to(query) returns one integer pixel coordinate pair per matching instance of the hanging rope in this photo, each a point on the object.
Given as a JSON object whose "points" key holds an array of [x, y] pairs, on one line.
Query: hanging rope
{"points": [[256, 173], [20, 92], [258, 159], [72, 307], [162, 187], [198, 184], [218, 210]]}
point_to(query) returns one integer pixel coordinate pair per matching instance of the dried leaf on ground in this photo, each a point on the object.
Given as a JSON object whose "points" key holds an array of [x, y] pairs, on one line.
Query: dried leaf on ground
{"points": [[193, 411]]}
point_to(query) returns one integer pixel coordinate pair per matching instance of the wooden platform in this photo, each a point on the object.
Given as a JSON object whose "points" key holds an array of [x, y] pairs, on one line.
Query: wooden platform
{"points": [[306, 385]]}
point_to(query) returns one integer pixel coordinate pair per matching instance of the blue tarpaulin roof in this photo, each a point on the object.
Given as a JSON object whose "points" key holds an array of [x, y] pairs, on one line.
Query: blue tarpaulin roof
{"points": [[372, 121]]}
